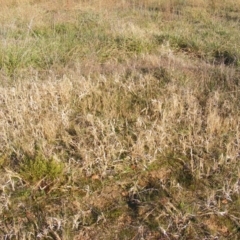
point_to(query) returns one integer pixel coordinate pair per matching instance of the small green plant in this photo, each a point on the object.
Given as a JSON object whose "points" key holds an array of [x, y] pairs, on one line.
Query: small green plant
{"points": [[38, 168]]}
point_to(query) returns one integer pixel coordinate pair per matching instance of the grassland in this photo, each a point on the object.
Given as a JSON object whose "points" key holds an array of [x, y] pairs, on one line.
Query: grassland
{"points": [[119, 120]]}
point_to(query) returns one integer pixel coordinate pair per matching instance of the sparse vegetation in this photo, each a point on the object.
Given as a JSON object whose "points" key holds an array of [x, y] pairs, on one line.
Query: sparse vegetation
{"points": [[119, 120]]}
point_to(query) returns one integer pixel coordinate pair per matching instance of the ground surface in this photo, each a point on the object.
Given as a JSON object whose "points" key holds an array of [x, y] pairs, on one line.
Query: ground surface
{"points": [[119, 120]]}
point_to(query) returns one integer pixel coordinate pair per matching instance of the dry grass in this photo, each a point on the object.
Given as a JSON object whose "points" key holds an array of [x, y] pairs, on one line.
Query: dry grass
{"points": [[119, 121]]}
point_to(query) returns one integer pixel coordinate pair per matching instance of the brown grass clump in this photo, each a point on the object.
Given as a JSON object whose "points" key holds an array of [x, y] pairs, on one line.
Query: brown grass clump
{"points": [[119, 120]]}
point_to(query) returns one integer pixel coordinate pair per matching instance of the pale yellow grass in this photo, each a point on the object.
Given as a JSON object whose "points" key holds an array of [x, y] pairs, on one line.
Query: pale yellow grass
{"points": [[149, 142]]}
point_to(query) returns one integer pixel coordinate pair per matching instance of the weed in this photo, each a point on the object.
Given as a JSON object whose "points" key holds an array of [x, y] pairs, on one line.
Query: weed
{"points": [[40, 168]]}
